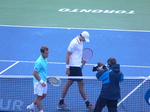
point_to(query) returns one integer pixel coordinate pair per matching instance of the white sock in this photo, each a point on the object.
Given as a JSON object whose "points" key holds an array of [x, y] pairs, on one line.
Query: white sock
{"points": [[33, 105], [41, 111], [86, 100]]}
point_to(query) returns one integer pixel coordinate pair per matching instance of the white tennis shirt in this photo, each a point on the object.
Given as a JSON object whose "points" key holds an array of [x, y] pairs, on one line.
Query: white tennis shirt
{"points": [[75, 47]]}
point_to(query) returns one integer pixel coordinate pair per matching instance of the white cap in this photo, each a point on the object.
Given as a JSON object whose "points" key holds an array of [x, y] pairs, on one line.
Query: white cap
{"points": [[86, 35]]}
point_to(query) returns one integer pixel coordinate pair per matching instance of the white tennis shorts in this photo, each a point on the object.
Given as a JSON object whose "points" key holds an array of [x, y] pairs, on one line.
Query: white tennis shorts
{"points": [[39, 89]]}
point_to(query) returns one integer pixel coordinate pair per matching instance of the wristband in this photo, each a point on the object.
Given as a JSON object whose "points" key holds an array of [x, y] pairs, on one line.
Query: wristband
{"points": [[67, 66], [41, 81]]}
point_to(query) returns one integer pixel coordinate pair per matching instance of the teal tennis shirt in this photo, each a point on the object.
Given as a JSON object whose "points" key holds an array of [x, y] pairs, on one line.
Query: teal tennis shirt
{"points": [[41, 67]]}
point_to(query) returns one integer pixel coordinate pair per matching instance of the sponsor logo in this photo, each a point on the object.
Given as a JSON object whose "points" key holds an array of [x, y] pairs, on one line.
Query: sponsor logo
{"points": [[11, 104], [147, 97], [96, 11]]}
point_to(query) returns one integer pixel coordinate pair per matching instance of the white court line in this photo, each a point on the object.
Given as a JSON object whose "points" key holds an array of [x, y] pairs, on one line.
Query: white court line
{"points": [[9, 67], [66, 77], [133, 66], [75, 28], [133, 91]]}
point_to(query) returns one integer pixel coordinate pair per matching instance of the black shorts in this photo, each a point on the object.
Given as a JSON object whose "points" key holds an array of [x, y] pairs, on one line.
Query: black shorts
{"points": [[75, 71]]}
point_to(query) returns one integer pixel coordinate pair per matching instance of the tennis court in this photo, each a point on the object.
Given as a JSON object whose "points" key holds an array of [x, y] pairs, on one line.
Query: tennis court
{"points": [[118, 29]]}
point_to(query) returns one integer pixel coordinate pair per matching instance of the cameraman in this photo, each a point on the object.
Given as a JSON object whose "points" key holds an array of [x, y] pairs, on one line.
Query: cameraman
{"points": [[110, 91]]}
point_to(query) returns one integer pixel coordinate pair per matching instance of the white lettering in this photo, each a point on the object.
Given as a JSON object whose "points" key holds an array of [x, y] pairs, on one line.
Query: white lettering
{"points": [[86, 11], [108, 11], [75, 10], [120, 11], [97, 11], [11, 105], [131, 12], [17, 104], [6, 106], [64, 10]]}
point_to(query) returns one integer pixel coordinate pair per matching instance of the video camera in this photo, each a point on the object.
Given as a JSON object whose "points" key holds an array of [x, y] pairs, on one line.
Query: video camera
{"points": [[99, 64]]}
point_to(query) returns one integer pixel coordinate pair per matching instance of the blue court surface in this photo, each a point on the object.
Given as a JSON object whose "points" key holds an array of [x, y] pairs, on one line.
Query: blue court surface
{"points": [[20, 48], [54, 24]]}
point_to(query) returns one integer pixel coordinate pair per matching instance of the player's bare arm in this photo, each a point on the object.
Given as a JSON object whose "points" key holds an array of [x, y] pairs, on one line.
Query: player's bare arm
{"points": [[35, 74], [67, 62]]}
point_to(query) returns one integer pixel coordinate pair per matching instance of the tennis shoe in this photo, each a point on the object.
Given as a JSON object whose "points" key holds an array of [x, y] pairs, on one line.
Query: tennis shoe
{"points": [[30, 109], [62, 107], [90, 107]]}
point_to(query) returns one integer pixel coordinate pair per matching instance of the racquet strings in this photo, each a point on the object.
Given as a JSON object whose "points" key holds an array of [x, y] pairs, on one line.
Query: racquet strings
{"points": [[54, 81], [87, 54]]}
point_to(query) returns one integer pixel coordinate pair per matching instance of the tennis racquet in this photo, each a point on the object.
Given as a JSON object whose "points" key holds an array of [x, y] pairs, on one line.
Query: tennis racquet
{"points": [[54, 81], [87, 54]]}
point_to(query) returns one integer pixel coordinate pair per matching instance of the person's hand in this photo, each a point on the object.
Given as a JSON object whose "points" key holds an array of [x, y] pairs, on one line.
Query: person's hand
{"points": [[68, 71], [83, 62], [101, 67], [44, 84]]}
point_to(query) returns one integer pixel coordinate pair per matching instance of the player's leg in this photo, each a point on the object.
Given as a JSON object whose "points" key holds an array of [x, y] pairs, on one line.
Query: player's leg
{"points": [[31, 107], [66, 87], [78, 72], [81, 89], [62, 105], [82, 92], [38, 102], [40, 92], [44, 95]]}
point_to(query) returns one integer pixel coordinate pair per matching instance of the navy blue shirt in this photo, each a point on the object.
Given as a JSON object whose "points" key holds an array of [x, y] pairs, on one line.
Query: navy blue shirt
{"points": [[110, 82]]}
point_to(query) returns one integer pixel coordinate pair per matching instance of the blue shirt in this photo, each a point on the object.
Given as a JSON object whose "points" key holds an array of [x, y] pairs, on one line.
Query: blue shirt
{"points": [[110, 82], [41, 68]]}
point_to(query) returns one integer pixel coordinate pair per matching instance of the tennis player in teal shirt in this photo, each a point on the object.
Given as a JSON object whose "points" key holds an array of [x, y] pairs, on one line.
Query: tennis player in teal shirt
{"points": [[39, 80], [41, 68]]}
